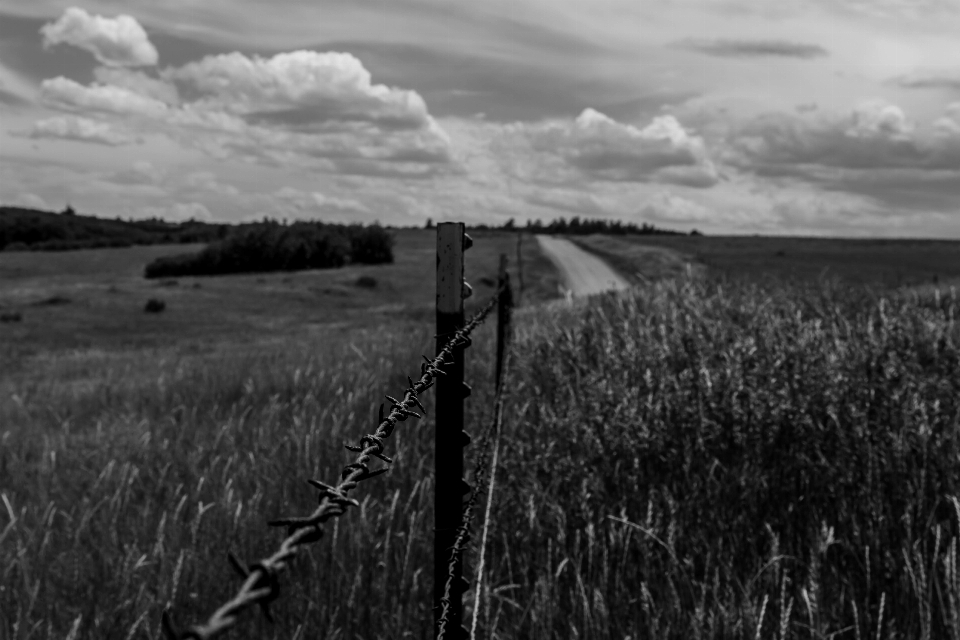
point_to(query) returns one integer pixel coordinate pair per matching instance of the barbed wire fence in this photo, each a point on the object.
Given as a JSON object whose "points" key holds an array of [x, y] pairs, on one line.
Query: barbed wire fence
{"points": [[482, 477], [261, 583]]}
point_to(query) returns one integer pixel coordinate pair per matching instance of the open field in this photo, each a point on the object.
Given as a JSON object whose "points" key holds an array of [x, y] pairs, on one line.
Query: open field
{"points": [[93, 300], [878, 263], [680, 461]]}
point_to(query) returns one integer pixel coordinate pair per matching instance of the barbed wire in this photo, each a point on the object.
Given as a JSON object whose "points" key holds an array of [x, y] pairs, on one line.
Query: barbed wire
{"points": [[261, 580], [463, 532]]}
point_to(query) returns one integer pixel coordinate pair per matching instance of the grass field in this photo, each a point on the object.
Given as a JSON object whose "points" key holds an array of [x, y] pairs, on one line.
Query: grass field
{"points": [[876, 263], [684, 460]]}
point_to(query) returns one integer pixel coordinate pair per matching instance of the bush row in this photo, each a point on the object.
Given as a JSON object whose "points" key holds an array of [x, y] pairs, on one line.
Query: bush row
{"points": [[271, 246]]}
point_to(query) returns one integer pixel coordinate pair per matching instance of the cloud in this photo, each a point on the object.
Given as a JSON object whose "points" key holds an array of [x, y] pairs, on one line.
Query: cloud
{"points": [[873, 151], [301, 90], [65, 93], [303, 109], [875, 134], [725, 48], [31, 201], [115, 42], [140, 172], [931, 79], [577, 202], [207, 181], [668, 207], [179, 212], [314, 201], [79, 129], [604, 149], [138, 82]]}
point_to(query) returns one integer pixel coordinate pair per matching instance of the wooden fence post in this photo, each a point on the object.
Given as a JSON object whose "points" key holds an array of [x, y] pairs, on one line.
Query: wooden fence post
{"points": [[449, 486]]}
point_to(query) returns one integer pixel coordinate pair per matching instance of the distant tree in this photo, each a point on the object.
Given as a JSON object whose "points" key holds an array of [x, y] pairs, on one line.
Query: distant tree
{"points": [[429, 224], [510, 224], [69, 211]]}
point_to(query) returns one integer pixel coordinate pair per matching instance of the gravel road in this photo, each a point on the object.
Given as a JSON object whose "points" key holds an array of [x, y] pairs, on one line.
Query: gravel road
{"points": [[583, 273]]}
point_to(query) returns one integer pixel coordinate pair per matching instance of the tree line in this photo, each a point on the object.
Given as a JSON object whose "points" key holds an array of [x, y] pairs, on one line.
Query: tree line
{"points": [[23, 229], [581, 226]]}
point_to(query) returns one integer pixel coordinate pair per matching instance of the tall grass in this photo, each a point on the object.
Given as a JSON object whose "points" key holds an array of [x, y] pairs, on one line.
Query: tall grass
{"points": [[682, 461], [706, 462]]}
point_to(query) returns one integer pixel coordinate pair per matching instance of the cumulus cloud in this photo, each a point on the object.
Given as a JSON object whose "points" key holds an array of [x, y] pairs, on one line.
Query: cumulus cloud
{"points": [[115, 42], [302, 90], [79, 129], [873, 151], [302, 108], [752, 48], [604, 149], [65, 93], [138, 82], [875, 134]]}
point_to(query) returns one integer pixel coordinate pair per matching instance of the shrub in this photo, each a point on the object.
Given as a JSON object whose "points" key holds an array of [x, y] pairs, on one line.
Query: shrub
{"points": [[53, 301], [273, 247], [155, 305], [11, 316], [366, 282], [17, 246], [370, 245]]}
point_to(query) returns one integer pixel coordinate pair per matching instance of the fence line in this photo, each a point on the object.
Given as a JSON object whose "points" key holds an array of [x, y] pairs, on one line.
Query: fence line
{"points": [[486, 527], [450, 605], [261, 580], [463, 532]]}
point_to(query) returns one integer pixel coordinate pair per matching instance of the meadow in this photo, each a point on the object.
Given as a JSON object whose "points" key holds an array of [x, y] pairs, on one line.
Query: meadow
{"points": [[689, 459], [877, 263]]}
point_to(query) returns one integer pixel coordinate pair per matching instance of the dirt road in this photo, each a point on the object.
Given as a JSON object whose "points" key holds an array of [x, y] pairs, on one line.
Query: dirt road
{"points": [[583, 273]]}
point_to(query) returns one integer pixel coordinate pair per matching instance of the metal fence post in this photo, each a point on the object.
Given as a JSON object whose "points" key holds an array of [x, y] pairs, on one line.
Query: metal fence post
{"points": [[449, 486]]}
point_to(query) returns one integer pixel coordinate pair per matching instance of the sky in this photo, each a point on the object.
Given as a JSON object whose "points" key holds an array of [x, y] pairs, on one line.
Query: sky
{"points": [[785, 117]]}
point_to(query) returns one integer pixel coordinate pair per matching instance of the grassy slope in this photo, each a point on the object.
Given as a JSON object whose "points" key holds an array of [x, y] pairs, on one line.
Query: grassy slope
{"points": [[873, 262]]}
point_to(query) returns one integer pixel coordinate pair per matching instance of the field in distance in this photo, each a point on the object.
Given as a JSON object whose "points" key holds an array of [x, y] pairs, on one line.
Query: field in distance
{"points": [[877, 263], [93, 300]]}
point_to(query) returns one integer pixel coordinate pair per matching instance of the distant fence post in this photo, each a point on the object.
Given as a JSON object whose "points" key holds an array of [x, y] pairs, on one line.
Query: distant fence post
{"points": [[449, 486], [519, 267], [504, 304]]}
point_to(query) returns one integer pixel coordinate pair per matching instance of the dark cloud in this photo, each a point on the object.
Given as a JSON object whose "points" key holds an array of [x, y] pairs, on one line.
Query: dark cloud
{"points": [[931, 80], [724, 48]]}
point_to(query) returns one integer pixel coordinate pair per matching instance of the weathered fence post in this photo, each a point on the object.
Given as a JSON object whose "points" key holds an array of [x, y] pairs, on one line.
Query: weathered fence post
{"points": [[449, 486]]}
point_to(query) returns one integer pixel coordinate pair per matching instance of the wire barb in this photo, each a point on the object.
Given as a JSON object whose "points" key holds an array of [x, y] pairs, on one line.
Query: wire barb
{"points": [[261, 584]]}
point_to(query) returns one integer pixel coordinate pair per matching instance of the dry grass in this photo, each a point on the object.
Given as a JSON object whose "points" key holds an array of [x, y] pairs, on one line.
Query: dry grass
{"points": [[680, 462]]}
